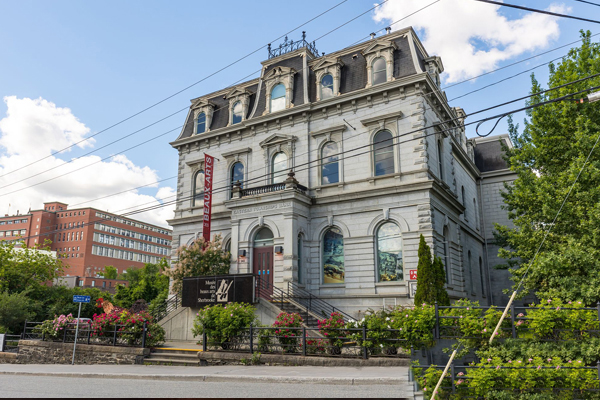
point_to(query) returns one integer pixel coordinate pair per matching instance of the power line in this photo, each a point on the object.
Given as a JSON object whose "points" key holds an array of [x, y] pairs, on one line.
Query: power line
{"points": [[182, 90], [308, 166], [539, 11], [588, 2]]}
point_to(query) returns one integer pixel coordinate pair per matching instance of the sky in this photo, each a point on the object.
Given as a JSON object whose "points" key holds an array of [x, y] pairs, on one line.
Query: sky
{"points": [[70, 70]]}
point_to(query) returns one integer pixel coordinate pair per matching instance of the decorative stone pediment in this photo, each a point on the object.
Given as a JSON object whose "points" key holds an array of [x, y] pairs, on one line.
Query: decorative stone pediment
{"points": [[376, 49], [202, 106], [275, 76], [434, 68], [278, 139], [328, 65], [238, 94]]}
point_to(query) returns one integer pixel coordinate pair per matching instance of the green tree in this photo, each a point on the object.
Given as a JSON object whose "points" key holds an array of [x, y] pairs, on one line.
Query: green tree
{"points": [[15, 309], [431, 278], [110, 272], [198, 259], [547, 158], [27, 268], [149, 283]]}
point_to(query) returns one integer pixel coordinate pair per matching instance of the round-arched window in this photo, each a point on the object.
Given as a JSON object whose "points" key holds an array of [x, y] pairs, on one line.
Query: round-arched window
{"points": [[199, 188], [379, 71], [279, 167], [390, 266], [237, 110], [326, 87], [383, 151], [264, 237], [333, 257], [237, 174], [201, 123], [278, 98], [330, 171]]}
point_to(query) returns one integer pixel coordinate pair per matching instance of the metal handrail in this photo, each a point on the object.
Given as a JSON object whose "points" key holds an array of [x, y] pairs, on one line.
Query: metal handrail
{"points": [[311, 303], [167, 307]]}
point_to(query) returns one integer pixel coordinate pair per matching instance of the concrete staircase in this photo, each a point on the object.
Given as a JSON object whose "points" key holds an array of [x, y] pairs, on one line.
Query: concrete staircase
{"points": [[310, 320], [178, 357]]}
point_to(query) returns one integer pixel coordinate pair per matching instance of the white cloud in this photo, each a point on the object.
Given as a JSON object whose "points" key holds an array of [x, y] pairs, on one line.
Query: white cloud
{"points": [[472, 37], [33, 129]]}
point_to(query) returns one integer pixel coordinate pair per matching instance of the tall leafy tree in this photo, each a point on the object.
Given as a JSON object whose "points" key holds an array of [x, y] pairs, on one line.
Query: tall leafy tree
{"points": [[431, 278], [547, 158], [198, 259], [147, 283]]}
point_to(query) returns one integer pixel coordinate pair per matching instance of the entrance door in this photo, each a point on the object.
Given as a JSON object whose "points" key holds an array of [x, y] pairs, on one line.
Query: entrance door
{"points": [[263, 267]]}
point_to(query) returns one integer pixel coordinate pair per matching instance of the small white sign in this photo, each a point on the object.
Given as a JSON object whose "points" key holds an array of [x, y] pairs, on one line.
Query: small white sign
{"points": [[1, 342], [412, 289]]}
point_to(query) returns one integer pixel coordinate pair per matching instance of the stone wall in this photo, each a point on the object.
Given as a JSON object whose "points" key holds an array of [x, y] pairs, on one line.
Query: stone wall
{"points": [[40, 352], [8, 358]]}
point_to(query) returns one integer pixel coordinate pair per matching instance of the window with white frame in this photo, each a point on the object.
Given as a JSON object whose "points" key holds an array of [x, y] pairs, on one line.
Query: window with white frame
{"points": [[334, 270], [330, 171], [383, 153], [278, 99], [237, 174], [201, 123], [279, 166], [198, 188], [389, 253], [326, 86], [236, 113], [379, 71]]}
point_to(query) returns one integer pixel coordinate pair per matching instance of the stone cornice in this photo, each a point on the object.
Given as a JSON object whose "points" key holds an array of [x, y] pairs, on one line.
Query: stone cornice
{"points": [[333, 129], [310, 107], [379, 118], [236, 152]]}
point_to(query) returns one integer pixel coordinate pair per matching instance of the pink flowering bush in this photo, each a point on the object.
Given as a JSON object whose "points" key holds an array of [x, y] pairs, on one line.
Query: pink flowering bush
{"points": [[54, 328], [224, 323], [129, 326], [286, 329], [332, 329]]}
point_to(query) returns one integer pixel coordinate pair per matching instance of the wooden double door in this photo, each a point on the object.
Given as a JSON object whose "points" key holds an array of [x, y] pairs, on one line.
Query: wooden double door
{"points": [[263, 267]]}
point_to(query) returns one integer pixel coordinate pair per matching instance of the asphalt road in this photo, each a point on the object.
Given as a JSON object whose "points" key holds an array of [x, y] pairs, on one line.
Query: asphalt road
{"points": [[54, 386]]}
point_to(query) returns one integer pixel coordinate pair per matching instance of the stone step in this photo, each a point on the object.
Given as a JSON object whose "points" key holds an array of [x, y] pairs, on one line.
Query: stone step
{"points": [[174, 356], [170, 361]]}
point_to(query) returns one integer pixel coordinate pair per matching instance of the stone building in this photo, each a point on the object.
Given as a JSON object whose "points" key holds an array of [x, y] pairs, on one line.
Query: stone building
{"points": [[330, 167]]}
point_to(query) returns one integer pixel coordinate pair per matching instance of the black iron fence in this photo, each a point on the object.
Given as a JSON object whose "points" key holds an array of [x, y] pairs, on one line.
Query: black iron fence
{"points": [[457, 379], [289, 45], [301, 341], [447, 322], [10, 344], [113, 335]]}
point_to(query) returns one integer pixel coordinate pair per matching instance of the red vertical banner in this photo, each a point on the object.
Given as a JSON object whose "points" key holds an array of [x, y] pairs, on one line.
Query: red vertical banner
{"points": [[208, 181]]}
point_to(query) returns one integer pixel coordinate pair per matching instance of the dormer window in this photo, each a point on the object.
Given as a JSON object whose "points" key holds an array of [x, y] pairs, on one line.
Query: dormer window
{"points": [[278, 98], [279, 167], [237, 112], [379, 71], [326, 87], [201, 123]]}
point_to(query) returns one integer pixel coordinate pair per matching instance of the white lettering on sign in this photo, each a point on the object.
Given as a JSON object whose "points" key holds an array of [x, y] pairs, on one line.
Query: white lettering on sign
{"points": [[262, 208], [413, 274]]}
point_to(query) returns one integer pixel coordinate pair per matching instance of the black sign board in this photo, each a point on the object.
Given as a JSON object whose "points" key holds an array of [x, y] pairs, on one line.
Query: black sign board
{"points": [[201, 291]]}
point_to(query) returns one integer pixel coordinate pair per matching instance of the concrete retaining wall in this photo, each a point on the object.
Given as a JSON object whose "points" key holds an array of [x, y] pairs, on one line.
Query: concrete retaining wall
{"points": [[40, 352]]}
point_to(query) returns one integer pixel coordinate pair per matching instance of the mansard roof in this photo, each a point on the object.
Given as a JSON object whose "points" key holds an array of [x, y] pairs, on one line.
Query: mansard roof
{"points": [[409, 59], [489, 153]]}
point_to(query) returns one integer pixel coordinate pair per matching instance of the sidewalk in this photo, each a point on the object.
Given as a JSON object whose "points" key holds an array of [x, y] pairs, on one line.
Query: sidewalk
{"points": [[323, 375]]}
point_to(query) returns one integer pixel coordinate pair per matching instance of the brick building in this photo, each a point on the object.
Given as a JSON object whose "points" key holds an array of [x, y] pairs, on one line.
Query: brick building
{"points": [[87, 239]]}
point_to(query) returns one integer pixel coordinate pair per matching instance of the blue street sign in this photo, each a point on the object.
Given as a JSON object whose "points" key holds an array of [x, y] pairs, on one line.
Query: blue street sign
{"points": [[81, 299]]}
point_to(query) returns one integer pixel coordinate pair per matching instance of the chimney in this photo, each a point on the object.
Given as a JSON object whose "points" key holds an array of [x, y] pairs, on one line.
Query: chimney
{"points": [[388, 30], [372, 35]]}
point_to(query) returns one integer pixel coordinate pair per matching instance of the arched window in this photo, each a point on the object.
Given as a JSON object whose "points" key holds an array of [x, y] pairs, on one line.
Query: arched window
{"points": [[440, 160], [236, 112], [383, 151], [326, 87], [227, 247], [470, 267], [476, 212], [446, 258], [330, 171], [278, 98], [237, 174], [389, 253], [462, 190], [201, 123], [279, 167], [333, 256], [264, 237], [481, 277], [379, 71], [199, 188], [300, 263]]}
